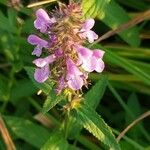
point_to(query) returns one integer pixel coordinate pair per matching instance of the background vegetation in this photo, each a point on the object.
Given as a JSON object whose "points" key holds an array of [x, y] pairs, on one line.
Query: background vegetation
{"points": [[120, 94]]}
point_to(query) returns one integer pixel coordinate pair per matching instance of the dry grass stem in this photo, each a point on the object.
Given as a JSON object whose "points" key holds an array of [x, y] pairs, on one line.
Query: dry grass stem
{"points": [[146, 114], [5, 135], [141, 17], [40, 3]]}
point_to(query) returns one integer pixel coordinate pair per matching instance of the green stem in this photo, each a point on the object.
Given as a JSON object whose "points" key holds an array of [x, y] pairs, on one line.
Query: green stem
{"points": [[66, 124]]}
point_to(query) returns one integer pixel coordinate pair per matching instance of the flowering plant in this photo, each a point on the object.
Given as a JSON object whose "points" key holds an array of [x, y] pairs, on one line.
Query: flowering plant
{"points": [[64, 59], [67, 61]]}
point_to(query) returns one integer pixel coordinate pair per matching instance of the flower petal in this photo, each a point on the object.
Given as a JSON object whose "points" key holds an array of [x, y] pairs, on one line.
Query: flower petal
{"points": [[37, 51], [43, 21], [42, 74], [99, 65], [89, 23], [42, 14], [75, 83], [98, 53], [72, 69], [35, 40], [41, 62], [85, 56], [91, 36]]}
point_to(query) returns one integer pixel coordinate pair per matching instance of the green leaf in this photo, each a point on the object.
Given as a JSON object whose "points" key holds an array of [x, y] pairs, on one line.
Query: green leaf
{"points": [[23, 88], [51, 101], [133, 103], [113, 16], [47, 86], [92, 98], [5, 24], [56, 142], [27, 130], [95, 94], [4, 88], [139, 5], [91, 121]]}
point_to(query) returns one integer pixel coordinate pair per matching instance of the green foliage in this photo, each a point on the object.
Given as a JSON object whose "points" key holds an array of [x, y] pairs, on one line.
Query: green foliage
{"points": [[113, 16], [95, 94], [120, 94], [27, 130], [56, 141], [90, 120], [52, 99]]}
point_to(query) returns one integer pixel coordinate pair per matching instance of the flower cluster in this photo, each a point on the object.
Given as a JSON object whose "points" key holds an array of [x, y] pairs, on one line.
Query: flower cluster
{"points": [[67, 61]]}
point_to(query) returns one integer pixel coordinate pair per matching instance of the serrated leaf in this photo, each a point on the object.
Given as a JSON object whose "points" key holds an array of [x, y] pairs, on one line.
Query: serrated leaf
{"points": [[113, 16], [95, 94], [27, 130], [51, 101], [56, 142], [91, 121], [92, 98]]}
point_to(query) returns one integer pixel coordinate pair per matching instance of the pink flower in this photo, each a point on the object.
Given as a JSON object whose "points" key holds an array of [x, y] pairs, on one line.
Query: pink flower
{"points": [[86, 31], [74, 75], [43, 21], [90, 60], [42, 72], [40, 44]]}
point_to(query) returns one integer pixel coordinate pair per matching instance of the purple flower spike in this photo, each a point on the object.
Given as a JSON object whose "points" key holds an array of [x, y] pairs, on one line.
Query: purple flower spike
{"points": [[43, 21], [42, 74], [74, 76], [86, 31], [40, 43]]}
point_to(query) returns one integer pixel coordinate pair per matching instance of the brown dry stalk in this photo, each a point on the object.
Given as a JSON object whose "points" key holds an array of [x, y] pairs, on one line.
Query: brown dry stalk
{"points": [[5, 135], [41, 3], [141, 17], [146, 114]]}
